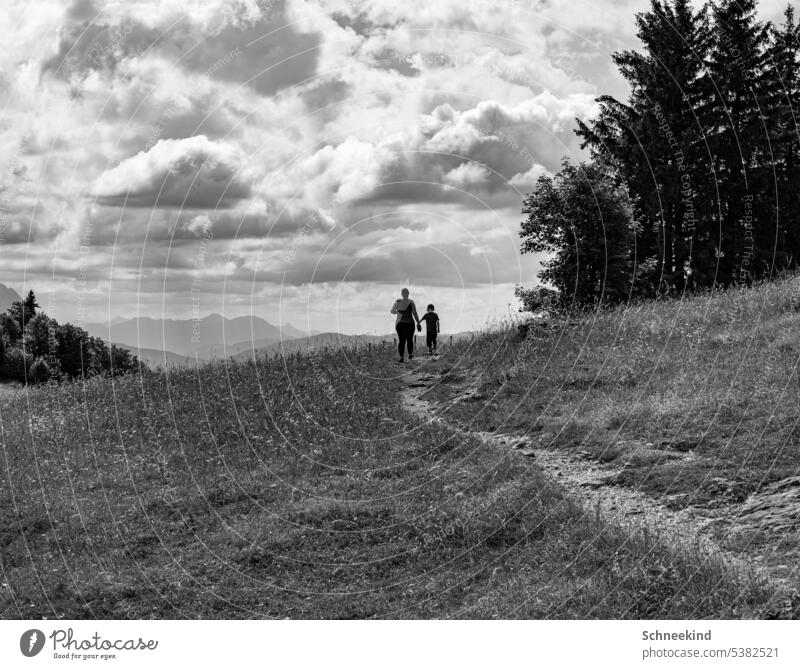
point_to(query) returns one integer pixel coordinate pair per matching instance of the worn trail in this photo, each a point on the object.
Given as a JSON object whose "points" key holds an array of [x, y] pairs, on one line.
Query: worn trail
{"points": [[586, 482]]}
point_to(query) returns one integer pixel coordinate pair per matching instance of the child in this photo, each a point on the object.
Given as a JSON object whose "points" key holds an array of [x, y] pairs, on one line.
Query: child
{"points": [[431, 328]]}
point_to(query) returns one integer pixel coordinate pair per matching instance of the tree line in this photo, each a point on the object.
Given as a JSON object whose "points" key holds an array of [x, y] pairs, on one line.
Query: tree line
{"points": [[35, 348], [694, 180]]}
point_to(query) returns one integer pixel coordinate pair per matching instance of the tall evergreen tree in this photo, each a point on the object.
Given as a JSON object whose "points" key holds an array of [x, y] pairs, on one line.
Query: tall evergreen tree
{"points": [[734, 92], [707, 144], [30, 305], [654, 140], [782, 101]]}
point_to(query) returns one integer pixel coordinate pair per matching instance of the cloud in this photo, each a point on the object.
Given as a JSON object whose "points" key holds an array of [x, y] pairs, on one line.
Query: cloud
{"points": [[481, 150], [267, 54], [246, 43], [468, 175], [448, 264], [192, 172], [368, 140], [88, 42]]}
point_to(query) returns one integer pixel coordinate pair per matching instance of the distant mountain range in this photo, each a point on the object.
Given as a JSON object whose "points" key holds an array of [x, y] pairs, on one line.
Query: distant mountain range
{"points": [[210, 337], [7, 297], [166, 341], [247, 350], [155, 357]]}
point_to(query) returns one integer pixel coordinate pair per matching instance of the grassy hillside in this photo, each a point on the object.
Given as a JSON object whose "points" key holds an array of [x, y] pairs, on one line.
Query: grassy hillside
{"points": [[694, 402], [300, 487]]}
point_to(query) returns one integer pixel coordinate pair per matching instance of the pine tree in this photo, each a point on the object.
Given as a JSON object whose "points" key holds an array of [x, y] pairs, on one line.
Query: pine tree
{"points": [[654, 140], [30, 305], [782, 84], [734, 89], [707, 145]]}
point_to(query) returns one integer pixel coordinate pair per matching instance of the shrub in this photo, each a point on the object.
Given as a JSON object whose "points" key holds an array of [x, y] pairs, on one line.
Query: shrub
{"points": [[582, 220], [16, 365], [40, 371], [535, 299]]}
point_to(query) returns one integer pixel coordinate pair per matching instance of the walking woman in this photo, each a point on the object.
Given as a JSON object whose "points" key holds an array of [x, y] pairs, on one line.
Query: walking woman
{"points": [[406, 312]]}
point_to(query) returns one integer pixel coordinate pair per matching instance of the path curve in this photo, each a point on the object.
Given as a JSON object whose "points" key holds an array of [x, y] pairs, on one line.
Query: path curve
{"points": [[584, 481]]}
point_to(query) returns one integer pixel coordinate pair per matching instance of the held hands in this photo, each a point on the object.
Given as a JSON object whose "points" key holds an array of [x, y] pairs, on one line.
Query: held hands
{"points": [[419, 327]]}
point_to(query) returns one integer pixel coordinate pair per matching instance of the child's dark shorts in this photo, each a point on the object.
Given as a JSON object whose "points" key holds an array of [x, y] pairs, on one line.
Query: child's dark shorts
{"points": [[430, 339]]}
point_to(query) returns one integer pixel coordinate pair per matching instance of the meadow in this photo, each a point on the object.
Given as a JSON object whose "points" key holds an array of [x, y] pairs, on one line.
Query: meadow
{"points": [[694, 402], [300, 487]]}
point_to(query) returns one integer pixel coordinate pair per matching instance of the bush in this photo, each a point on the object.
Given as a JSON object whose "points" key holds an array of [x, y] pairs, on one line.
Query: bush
{"points": [[536, 299], [46, 350], [16, 365], [73, 350], [9, 330], [40, 371], [581, 219]]}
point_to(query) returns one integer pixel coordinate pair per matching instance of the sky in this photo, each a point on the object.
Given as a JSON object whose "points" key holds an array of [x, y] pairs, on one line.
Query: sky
{"points": [[297, 160]]}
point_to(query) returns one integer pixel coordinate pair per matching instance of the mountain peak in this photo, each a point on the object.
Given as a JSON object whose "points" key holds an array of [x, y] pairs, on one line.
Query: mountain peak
{"points": [[208, 337], [7, 297]]}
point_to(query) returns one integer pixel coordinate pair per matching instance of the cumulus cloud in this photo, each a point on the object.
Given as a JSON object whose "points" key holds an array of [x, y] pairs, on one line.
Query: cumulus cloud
{"points": [[192, 172], [468, 175], [302, 141], [246, 43], [267, 54], [487, 149]]}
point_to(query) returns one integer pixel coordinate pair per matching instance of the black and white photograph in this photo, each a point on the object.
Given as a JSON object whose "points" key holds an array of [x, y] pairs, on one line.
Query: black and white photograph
{"points": [[455, 310]]}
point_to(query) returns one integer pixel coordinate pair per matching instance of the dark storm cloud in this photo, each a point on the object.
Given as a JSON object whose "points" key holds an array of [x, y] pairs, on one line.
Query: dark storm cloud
{"points": [[388, 59], [15, 229], [323, 94], [267, 55], [107, 225], [18, 221], [88, 43]]}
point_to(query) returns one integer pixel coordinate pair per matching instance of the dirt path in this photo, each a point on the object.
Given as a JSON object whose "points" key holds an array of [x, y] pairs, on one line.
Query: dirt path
{"points": [[586, 482]]}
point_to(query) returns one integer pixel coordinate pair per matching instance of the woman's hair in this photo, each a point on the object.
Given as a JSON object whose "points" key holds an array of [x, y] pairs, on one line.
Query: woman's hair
{"points": [[404, 291]]}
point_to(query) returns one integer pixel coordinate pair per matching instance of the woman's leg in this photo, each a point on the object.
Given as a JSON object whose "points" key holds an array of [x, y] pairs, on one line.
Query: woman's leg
{"points": [[401, 344], [405, 335]]}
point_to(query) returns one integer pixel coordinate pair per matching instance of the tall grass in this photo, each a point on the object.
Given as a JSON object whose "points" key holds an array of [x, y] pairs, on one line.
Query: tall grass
{"points": [[299, 487], [714, 376]]}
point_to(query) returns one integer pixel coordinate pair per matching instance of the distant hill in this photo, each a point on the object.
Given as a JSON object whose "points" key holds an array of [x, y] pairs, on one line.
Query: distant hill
{"points": [[211, 337], [331, 340], [334, 340], [293, 333], [155, 357], [7, 297]]}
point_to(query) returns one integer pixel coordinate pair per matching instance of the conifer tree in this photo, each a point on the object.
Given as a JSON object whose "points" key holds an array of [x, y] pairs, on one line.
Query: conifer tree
{"points": [[734, 91], [781, 99], [654, 140]]}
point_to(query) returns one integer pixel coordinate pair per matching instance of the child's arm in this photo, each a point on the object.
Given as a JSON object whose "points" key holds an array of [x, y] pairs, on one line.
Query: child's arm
{"points": [[437, 325]]}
